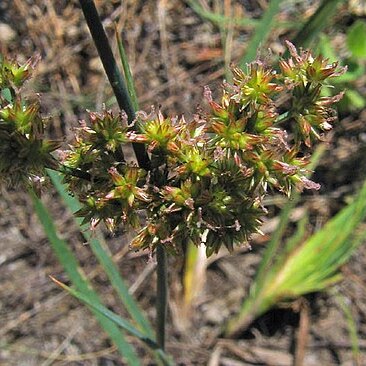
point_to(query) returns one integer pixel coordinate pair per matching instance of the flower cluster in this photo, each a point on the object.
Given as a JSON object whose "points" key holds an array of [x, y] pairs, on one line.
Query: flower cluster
{"points": [[24, 150], [98, 174], [208, 176], [306, 76]]}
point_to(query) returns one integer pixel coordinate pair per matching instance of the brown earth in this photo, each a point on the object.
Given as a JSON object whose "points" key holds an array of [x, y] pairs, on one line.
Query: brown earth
{"points": [[173, 54]]}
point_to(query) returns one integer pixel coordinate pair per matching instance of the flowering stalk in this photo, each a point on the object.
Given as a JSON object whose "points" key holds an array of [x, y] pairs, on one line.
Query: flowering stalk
{"points": [[162, 296], [204, 180]]}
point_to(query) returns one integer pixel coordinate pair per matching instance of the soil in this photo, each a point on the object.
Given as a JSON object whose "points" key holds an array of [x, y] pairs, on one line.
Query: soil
{"points": [[173, 53]]}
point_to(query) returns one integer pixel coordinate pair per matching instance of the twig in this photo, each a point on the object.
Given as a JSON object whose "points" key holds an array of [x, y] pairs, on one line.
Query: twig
{"points": [[303, 334]]}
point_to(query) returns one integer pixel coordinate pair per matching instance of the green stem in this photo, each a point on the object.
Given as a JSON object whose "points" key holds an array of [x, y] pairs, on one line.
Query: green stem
{"points": [[283, 117], [124, 101], [114, 76], [162, 295]]}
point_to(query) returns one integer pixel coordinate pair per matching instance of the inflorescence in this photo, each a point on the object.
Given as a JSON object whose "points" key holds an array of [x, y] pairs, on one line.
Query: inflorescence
{"points": [[208, 176]]}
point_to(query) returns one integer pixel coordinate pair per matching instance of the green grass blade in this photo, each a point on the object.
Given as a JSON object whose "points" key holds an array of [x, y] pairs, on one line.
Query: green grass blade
{"points": [[109, 314], [352, 327], [324, 252], [316, 23], [219, 19], [102, 256], [222, 21], [116, 319], [127, 72], [336, 232], [299, 235], [276, 237], [313, 266], [70, 264], [261, 32]]}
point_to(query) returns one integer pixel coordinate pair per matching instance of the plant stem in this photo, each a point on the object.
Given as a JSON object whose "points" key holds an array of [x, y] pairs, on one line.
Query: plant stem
{"points": [[161, 295], [283, 117], [114, 76], [124, 101]]}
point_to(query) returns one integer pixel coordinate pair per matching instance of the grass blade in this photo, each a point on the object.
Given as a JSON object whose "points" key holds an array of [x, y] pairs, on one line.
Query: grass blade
{"points": [[109, 314], [97, 246], [311, 267], [99, 308], [70, 264], [276, 238], [352, 327], [127, 71], [219, 19], [102, 256], [316, 23], [261, 32]]}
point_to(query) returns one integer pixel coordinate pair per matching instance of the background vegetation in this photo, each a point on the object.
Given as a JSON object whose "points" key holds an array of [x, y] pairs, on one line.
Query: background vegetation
{"points": [[174, 49]]}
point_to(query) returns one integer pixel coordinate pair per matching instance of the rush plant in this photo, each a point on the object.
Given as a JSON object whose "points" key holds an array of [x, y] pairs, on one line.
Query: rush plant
{"points": [[199, 181]]}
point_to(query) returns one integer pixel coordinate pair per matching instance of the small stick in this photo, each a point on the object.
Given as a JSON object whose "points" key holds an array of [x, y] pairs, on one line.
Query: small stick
{"points": [[303, 334]]}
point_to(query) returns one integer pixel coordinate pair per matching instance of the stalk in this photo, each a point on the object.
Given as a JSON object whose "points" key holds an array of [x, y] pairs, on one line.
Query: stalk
{"points": [[162, 295], [124, 101], [114, 76]]}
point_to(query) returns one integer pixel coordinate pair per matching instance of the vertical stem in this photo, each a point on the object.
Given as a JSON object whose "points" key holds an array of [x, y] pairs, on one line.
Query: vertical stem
{"points": [[124, 101], [161, 295], [114, 76]]}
